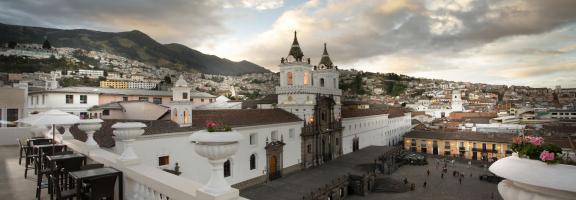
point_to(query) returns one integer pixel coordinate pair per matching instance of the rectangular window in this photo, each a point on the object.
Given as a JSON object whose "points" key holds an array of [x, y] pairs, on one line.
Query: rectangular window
{"points": [[163, 160], [11, 115], [83, 99], [210, 100], [43, 99], [124, 98], [157, 100], [191, 99], [83, 115], [291, 133], [184, 95], [253, 139], [274, 136], [202, 100], [309, 148], [69, 99], [106, 112], [142, 98]]}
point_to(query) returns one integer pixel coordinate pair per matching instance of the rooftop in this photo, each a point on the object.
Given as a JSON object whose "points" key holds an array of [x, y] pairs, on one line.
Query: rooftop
{"points": [[114, 91]]}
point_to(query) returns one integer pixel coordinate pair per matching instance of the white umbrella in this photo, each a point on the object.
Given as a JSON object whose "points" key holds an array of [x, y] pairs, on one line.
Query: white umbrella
{"points": [[51, 117]]}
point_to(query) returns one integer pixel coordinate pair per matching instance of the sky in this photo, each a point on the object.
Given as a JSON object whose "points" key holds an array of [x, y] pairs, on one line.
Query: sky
{"points": [[512, 42]]}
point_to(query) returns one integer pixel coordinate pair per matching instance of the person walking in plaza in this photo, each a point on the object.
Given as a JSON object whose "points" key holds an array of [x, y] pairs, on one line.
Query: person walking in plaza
{"points": [[442, 175], [428, 172], [424, 184], [460, 180]]}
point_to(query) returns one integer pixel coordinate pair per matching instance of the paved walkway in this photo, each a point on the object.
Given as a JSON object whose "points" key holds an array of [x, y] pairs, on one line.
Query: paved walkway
{"points": [[295, 185], [13, 186], [437, 188]]}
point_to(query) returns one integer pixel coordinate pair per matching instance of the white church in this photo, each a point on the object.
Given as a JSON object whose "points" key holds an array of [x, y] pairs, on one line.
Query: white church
{"points": [[305, 128]]}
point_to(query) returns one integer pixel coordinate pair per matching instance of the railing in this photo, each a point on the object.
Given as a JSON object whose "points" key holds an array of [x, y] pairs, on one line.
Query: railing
{"points": [[146, 182], [296, 89]]}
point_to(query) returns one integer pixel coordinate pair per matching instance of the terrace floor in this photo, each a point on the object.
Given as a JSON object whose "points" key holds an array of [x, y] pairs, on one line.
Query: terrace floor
{"points": [[12, 182]]}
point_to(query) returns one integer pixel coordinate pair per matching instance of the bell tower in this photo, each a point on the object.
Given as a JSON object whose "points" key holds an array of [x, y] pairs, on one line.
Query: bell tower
{"points": [[181, 106], [295, 93]]}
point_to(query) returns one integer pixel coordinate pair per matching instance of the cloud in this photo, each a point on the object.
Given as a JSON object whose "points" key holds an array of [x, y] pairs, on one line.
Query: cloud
{"points": [[167, 21], [356, 30], [255, 4], [531, 71]]}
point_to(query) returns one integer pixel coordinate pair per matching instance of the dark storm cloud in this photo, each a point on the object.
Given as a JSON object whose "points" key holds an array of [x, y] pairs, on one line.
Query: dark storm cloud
{"points": [[171, 20]]}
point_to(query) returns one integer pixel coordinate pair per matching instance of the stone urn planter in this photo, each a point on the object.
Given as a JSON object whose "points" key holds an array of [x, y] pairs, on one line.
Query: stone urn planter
{"points": [[127, 132], [90, 126], [534, 180], [217, 147]]}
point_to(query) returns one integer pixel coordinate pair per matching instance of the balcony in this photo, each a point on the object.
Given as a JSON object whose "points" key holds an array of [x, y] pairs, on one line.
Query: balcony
{"points": [[142, 181]]}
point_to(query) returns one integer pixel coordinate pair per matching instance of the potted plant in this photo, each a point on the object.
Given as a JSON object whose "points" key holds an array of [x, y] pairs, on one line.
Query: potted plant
{"points": [[534, 172], [216, 143]]}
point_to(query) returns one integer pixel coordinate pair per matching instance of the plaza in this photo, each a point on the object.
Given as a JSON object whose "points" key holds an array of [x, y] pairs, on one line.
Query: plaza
{"points": [[438, 188]]}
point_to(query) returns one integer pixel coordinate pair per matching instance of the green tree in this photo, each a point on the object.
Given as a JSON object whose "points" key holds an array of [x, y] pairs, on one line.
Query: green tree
{"points": [[46, 45]]}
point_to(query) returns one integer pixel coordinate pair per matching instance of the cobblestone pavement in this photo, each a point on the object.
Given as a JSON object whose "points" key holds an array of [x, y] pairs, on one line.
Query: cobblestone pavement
{"points": [[303, 182], [437, 188]]}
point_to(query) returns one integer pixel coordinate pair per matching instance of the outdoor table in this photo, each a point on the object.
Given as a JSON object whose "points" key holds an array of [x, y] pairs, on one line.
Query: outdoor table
{"points": [[30, 141], [61, 158], [79, 176], [36, 149]]}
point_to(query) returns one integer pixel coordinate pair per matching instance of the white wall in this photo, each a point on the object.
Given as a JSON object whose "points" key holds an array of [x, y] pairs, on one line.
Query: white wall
{"points": [[195, 167], [58, 101], [9, 135], [376, 130]]}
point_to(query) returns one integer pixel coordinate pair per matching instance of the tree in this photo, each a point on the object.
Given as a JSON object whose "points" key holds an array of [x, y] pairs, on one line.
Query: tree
{"points": [[167, 80], [12, 44], [46, 45]]}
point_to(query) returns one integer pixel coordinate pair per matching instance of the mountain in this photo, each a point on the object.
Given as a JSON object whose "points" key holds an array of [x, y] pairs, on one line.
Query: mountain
{"points": [[134, 45]]}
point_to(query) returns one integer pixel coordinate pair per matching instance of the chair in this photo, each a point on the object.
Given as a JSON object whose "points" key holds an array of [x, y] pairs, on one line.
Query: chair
{"points": [[23, 150], [43, 168], [101, 187], [59, 190]]}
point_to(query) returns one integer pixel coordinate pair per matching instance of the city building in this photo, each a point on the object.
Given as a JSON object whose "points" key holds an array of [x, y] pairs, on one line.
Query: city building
{"points": [[12, 105], [469, 145], [113, 84]]}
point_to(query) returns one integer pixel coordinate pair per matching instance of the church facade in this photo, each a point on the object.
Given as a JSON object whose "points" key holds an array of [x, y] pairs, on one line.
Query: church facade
{"points": [[312, 93]]}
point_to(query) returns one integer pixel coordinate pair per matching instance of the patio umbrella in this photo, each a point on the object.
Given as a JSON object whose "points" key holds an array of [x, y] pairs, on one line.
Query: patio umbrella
{"points": [[51, 117]]}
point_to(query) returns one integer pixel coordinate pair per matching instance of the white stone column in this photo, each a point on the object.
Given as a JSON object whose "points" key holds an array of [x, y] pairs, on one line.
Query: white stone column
{"points": [[127, 133], [217, 147], [90, 126], [67, 135]]}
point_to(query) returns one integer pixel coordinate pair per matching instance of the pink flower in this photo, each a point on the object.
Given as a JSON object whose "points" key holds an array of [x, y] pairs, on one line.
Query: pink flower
{"points": [[546, 156], [536, 140], [210, 124]]}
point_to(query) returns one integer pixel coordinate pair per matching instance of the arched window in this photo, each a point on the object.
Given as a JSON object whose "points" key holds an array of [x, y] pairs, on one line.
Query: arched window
{"points": [[227, 169], [306, 78], [252, 161], [322, 82], [290, 78], [290, 98]]}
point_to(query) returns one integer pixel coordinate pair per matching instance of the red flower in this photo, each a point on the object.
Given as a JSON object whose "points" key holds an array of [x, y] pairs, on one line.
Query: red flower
{"points": [[210, 124]]}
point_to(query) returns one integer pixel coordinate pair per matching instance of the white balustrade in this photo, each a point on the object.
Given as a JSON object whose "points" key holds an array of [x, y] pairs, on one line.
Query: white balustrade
{"points": [[127, 133], [90, 126], [533, 179], [67, 135], [299, 89]]}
